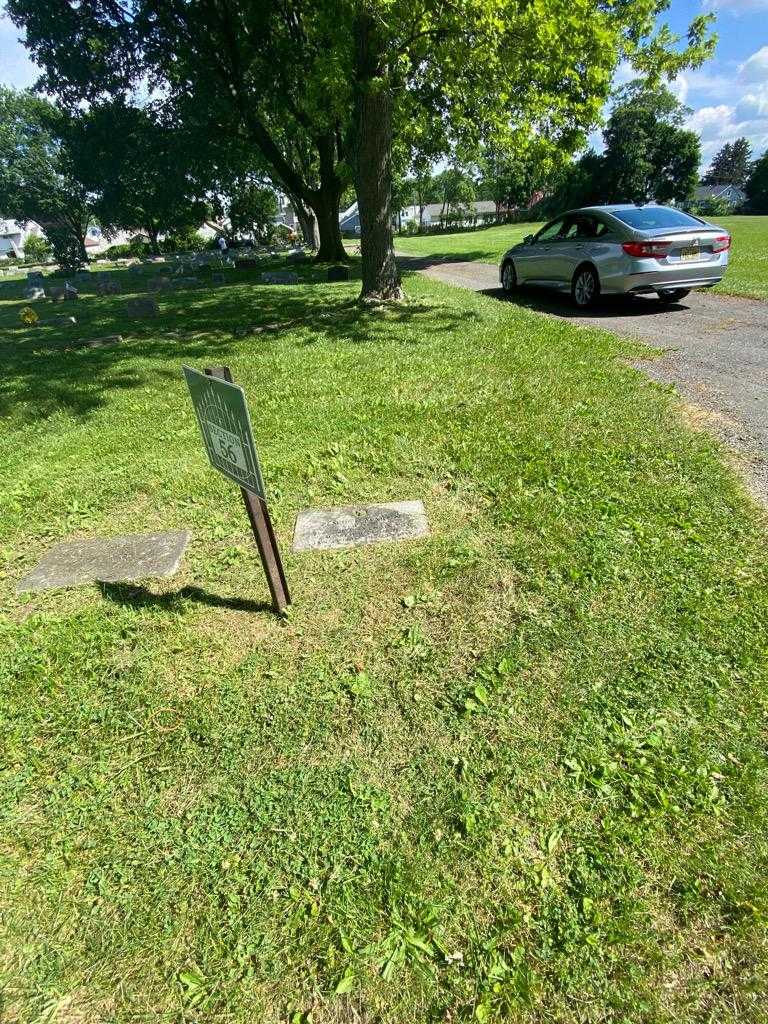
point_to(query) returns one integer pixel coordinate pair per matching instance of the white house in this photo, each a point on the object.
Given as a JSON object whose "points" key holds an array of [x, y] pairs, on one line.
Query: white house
{"points": [[13, 235], [731, 194]]}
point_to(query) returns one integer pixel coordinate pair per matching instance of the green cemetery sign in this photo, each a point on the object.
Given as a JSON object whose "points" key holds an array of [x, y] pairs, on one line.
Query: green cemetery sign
{"points": [[226, 428]]}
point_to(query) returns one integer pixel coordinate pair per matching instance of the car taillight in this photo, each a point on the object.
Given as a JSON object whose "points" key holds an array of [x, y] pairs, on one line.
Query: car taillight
{"points": [[646, 248], [722, 243]]}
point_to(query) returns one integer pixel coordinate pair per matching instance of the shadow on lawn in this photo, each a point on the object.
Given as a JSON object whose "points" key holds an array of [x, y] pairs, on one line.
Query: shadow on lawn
{"points": [[606, 307], [46, 372], [139, 597]]}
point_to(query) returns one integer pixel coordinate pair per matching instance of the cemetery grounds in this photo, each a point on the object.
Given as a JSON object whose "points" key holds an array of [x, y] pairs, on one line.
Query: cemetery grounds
{"points": [[511, 771]]}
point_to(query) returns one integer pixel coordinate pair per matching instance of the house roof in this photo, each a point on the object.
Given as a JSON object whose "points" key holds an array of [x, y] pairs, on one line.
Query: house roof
{"points": [[733, 192]]}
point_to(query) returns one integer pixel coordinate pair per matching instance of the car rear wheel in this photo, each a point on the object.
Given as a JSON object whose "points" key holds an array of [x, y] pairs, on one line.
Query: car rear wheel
{"points": [[585, 287], [673, 294], [509, 277]]}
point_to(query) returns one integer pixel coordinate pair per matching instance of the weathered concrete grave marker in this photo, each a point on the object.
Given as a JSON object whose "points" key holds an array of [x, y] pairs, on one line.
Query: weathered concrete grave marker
{"points": [[108, 560], [222, 414], [350, 525]]}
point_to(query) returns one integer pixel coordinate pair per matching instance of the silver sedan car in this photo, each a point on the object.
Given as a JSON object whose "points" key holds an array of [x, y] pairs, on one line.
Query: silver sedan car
{"points": [[620, 250]]}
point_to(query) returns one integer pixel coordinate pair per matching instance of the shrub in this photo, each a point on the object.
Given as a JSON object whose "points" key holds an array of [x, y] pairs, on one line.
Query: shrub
{"points": [[118, 252], [187, 240], [37, 248]]}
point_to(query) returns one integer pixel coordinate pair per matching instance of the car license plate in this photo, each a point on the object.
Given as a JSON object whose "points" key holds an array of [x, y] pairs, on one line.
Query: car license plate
{"points": [[691, 253]]}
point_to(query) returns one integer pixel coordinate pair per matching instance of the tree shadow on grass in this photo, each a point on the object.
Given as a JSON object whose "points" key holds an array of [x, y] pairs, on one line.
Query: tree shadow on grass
{"points": [[139, 597], [46, 370]]}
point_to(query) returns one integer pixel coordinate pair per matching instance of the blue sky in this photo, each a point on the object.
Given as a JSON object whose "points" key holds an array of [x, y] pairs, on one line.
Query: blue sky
{"points": [[728, 94]]}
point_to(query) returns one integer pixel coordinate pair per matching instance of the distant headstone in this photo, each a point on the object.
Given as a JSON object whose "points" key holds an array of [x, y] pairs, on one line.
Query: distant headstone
{"points": [[359, 524], [338, 274], [156, 284], [280, 277], [247, 263], [33, 293], [217, 279], [298, 257], [140, 308], [56, 294], [108, 560], [33, 276], [187, 282], [107, 285]]}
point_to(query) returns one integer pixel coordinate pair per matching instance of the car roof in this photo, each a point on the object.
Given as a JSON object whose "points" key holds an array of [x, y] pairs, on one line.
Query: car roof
{"points": [[614, 208]]}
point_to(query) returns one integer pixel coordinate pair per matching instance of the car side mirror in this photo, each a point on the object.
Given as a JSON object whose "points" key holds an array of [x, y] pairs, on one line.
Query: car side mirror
{"points": [[528, 239]]}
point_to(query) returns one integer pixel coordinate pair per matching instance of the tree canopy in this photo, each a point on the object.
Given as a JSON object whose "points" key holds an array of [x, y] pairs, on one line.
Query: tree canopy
{"points": [[38, 180], [730, 165], [138, 167], [648, 154], [756, 185], [334, 91]]}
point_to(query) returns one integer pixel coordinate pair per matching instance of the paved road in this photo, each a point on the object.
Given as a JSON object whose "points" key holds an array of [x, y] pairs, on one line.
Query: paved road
{"points": [[715, 351]]}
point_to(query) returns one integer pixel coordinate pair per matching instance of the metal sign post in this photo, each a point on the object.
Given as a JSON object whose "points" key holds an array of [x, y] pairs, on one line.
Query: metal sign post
{"points": [[225, 425]]}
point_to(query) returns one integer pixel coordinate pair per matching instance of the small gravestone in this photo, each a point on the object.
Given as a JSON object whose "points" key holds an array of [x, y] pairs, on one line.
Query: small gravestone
{"points": [[298, 257], [33, 293], [156, 284], [33, 276], [105, 342], [338, 274], [56, 294], [107, 285], [140, 308], [187, 282], [108, 560], [359, 524], [247, 263], [280, 277], [217, 279]]}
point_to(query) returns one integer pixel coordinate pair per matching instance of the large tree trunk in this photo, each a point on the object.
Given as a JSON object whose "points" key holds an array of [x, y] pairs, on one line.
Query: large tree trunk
{"points": [[373, 163], [325, 204], [307, 222]]}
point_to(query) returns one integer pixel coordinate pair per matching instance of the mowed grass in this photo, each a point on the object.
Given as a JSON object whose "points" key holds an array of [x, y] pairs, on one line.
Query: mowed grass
{"points": [[513, 771], [747, 272]]}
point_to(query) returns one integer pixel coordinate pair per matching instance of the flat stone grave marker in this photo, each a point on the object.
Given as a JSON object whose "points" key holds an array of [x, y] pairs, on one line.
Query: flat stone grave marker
{"points": [[108, 560], [280, 277], [139, 308], [351, 525], [105, 342]]}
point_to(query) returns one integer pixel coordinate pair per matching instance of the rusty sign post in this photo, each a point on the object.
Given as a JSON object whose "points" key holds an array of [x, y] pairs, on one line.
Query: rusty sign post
{"points": [[222, 414]]}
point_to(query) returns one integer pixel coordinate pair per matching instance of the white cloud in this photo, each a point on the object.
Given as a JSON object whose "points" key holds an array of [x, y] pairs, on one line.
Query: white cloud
{"points": [[753, 106], [755, 68], [737, 6], [16, 69]]}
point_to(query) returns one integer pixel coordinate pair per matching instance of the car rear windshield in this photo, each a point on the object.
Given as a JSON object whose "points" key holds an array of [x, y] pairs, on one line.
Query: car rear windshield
{"points": [[645, 218]]}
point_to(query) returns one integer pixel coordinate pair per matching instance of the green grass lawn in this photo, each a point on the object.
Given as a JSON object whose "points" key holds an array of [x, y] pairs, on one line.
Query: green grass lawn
{"points": [[747, 273], [513, 771]]}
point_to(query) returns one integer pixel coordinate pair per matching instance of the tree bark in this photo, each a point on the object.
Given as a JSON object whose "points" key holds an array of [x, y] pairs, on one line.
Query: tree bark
{"points": [[325, 204], [373, 162]]}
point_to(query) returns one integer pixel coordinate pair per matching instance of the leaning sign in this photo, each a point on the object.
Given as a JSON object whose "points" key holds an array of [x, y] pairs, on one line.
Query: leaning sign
{"points": [[225, 425], [226, 428]]}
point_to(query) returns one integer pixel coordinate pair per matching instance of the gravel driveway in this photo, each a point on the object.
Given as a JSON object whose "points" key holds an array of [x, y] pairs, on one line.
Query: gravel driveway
{"points": [[715, 351]]}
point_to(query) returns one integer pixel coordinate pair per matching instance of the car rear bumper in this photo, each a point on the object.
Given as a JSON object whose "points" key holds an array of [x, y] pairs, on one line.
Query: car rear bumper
{"points": [[653, 276]]}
